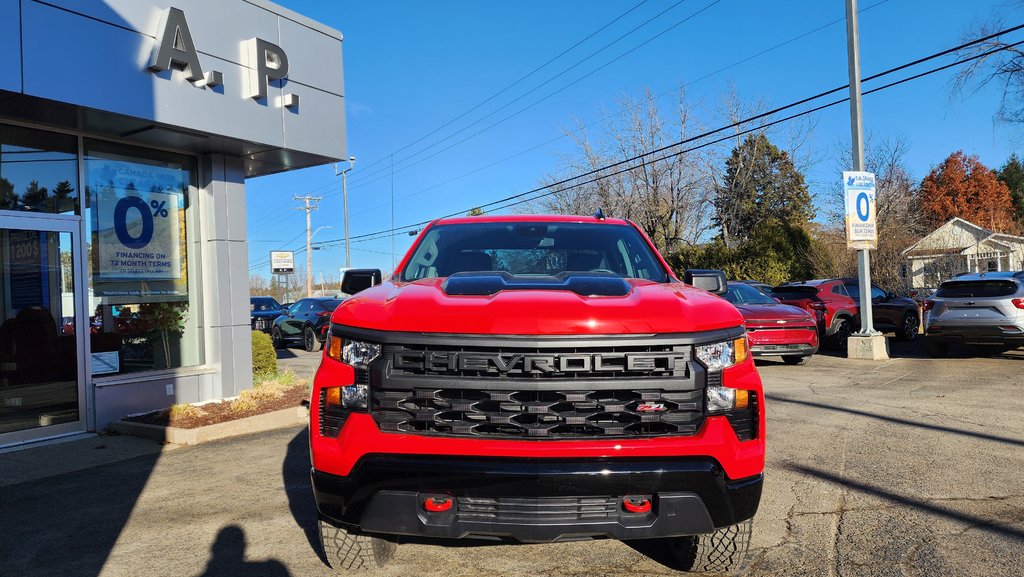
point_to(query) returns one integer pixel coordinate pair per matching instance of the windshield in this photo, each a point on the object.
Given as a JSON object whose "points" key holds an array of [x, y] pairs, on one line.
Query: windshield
{"points": [[534, 248], [329, 304], [794, 292], [264, 304], [742, 294]]}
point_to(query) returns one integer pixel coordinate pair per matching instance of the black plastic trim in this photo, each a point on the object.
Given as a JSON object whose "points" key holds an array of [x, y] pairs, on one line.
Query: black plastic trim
{"points": [[383, 494], [607, 284]]}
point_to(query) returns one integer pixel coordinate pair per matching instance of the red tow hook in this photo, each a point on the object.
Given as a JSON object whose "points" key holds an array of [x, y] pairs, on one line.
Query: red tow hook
{"points": [[636, 504], [438, 504]]}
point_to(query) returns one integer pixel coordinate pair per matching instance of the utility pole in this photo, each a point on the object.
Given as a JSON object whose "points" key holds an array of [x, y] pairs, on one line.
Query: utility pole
{"points": [[866, 343], [309, 207], [344, 195]]}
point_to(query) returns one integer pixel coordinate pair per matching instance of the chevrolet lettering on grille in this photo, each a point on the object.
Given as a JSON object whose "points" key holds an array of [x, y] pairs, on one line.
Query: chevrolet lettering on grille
{"points": [[530, 363]]}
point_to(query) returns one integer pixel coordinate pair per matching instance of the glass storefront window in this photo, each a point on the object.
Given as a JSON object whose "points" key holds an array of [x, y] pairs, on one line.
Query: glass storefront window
{"points": [[38, 171], [143, 294]]}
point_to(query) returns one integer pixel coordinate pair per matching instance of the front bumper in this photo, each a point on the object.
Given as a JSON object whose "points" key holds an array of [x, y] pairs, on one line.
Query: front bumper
{"points": [[262, 324], [783, 350], [535, 500]]}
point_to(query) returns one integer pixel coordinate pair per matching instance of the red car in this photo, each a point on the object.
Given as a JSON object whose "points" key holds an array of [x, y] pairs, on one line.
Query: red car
{"points": [[829, 302], [774, 328]]}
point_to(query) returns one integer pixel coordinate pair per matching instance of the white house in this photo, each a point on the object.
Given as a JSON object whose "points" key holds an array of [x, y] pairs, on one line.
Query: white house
{"points": [[956, 247]]}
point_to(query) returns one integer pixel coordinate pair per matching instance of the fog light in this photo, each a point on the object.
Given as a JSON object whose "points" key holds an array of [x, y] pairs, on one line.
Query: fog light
{"points": [[354, 396], [720, 399]]}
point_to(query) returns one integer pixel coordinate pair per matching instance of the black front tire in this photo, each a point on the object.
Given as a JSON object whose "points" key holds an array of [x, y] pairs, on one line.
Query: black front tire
{"points": [[841, 338], [937, 349], [723, 551], [309, 340], [348, 551], [794, 360], [276, 338], [907, 331]]}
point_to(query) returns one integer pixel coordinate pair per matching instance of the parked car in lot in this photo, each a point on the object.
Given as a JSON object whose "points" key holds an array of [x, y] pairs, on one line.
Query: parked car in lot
{"points": [[305, 322], [263, 311], [772, 327], [830, 304], [889, 312], [981, 308]]}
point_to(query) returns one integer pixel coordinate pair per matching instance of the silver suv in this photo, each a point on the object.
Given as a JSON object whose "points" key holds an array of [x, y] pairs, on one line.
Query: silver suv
{"points": [[977, 308]]}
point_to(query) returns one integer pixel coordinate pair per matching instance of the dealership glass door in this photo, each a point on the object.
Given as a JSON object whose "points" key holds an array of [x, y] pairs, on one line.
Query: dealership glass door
{"points": [[41, 329]]}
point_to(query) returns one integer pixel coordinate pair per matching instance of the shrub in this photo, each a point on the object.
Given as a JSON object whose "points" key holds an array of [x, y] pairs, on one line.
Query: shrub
{"points": [[264, 358]]}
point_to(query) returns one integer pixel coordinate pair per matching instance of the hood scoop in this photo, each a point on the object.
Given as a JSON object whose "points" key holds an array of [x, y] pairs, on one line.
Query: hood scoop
{"points": [[590, 284]]}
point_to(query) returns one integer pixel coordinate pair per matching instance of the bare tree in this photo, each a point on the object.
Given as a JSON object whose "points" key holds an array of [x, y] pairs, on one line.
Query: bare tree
{"points": [[999, 62], [667, 194], [899, 219]]}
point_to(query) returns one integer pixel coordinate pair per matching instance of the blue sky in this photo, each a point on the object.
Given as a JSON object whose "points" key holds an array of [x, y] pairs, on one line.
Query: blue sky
{"points": [[412, 67]]}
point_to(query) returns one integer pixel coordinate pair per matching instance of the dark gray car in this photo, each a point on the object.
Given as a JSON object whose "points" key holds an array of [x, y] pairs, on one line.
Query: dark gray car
{"points": [[982, 308]]}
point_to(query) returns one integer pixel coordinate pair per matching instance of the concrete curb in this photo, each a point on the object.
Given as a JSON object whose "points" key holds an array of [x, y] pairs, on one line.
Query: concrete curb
{"points": [[177, 436]]}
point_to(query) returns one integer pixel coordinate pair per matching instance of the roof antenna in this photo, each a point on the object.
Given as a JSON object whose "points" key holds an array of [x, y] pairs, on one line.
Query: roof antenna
{"points": [[599, 215]]}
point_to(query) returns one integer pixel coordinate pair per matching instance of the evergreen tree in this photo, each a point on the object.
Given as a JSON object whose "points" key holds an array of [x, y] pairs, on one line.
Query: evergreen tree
{"points": [[761, 186], [35, 196], [8, 199], [1012, 175]]}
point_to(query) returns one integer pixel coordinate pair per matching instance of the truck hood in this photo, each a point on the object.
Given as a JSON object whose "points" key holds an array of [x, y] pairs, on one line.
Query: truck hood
{"points": [[648, 307]]}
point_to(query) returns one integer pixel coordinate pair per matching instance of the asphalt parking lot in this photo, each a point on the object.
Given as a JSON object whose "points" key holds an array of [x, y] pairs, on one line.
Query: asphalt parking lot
{"points": [[905, 467]]}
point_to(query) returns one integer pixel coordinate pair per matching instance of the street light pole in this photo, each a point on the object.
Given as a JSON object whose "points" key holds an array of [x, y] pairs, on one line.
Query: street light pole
{"points": [[344, 195]]}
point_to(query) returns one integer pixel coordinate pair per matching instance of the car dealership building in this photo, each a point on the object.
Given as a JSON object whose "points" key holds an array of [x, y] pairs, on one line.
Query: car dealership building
{"points": [[127, 130]]}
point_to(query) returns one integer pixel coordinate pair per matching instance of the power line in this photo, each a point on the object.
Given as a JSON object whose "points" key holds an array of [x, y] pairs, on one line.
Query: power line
{"points": [[520, 79], [267, 221], [395, 230], [621, 112], [370, 177]]}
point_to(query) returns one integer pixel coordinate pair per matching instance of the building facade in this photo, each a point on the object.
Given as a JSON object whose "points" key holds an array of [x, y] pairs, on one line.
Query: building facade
{"points": [[127, 130], [957, 247]]}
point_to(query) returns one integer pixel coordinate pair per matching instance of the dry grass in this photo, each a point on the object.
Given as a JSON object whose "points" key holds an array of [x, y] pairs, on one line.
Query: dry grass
{"points": [[266, 387], [184, 411]]}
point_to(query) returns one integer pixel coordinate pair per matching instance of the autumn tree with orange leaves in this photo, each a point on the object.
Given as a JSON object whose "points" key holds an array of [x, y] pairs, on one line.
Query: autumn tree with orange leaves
{"points": [[963, 186]]}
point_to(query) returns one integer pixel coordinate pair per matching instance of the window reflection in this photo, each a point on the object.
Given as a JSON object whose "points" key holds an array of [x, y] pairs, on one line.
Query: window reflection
{"points": [[38, 171]]}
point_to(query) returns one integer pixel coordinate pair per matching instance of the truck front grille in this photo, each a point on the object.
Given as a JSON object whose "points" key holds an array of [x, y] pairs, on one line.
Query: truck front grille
{"points": [[539, 414], [629, 388]]}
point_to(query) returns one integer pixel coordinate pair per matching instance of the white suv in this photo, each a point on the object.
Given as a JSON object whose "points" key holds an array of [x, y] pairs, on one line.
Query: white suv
{"points": [[977, 308]]}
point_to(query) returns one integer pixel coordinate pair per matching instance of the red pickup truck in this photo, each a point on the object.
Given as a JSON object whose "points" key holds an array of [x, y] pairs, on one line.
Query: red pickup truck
{"points": [[537, 378]]}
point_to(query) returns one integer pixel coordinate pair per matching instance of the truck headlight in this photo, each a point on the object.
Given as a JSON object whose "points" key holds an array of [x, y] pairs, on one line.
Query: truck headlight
{"points": [[359, 354], [722, 355]]}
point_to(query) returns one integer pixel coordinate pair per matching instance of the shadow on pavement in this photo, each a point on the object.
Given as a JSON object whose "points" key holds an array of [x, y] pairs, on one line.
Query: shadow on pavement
{"points": [[983, 524], [898, 421], [227, 558], [68, 524], [285, 353], [299, 488]]}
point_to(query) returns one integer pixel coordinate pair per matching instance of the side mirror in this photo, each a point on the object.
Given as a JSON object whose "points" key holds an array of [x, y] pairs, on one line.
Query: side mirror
{"points": [[890, 296], [359, 279], [710, 280]]}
